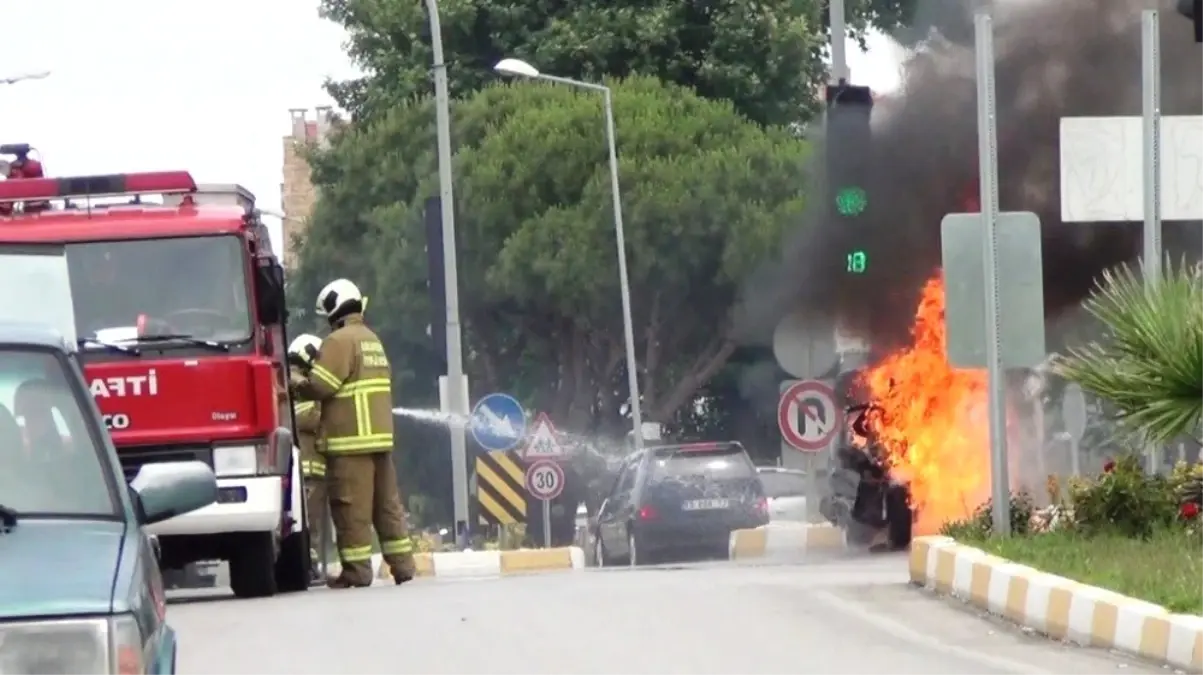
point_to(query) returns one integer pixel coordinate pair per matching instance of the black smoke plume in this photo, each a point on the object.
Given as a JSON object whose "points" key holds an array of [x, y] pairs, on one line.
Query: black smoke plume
{"points": [[1055, 58]]}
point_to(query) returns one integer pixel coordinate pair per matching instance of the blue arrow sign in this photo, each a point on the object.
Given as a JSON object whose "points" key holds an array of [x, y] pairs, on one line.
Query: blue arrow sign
{"points": [[498, 422]]}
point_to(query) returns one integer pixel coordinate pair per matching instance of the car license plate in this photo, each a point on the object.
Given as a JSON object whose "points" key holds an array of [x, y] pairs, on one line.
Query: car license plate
{"points": [[705, 504]]}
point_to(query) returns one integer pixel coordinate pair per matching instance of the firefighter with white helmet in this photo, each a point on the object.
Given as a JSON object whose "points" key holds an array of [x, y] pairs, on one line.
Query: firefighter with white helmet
{"points": [[302, 353], [351, 380]]}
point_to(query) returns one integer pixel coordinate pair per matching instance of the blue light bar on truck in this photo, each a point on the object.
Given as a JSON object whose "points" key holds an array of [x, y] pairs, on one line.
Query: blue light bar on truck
{"points": [[113, 185]]}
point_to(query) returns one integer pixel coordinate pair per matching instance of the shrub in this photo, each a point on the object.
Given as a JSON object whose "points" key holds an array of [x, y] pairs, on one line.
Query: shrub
{"points": [[1187, 482], [1123, 500], [981, 524]]}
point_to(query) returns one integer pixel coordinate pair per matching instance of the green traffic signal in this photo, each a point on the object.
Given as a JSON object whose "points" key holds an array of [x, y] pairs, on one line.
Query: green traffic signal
{"points": [[857, 262], [851, 201]]}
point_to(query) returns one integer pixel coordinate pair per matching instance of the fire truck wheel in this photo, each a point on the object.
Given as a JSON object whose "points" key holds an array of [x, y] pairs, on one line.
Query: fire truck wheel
{"points": [[294, 568], [252, 566]]}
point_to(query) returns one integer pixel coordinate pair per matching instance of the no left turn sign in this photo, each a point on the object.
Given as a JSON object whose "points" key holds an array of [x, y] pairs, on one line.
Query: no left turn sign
{"points": [[808, 416]]}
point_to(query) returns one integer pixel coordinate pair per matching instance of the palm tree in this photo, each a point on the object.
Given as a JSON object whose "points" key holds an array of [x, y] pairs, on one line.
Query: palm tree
{"points": [[1149, 364]]}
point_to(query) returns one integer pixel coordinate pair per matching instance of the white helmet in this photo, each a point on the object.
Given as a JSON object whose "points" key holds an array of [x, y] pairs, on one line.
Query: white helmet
{"points": [[336, 294], [304, 348]]}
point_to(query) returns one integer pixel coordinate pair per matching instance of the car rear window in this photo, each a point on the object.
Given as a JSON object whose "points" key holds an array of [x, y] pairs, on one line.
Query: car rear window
{"points": [[725, 465], [783, 484]]}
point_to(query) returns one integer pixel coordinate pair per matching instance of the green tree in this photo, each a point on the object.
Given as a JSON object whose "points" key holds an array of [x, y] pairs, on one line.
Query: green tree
{"points": [[1150, 364], [706, 195], [764, 56]]}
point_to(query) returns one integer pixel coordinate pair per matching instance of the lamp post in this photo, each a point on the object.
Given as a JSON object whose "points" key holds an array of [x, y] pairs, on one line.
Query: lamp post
{"points": [[13, 79], [457, 394], [519, 68]]}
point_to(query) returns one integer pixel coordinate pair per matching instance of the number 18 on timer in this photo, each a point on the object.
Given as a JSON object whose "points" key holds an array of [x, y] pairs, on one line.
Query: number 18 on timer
{"points": [[857, 261]]}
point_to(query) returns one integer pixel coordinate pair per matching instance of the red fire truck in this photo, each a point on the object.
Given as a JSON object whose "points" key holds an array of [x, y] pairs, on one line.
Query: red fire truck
{"points": [[177, 305]]}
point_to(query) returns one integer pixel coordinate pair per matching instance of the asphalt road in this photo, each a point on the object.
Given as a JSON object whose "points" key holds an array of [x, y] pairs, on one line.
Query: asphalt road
{"points": [[817, 616]]}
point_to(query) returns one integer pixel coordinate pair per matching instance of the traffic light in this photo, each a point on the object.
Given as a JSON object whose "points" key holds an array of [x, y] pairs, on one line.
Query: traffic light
{"points": [[1193, 10], [849, 109]]}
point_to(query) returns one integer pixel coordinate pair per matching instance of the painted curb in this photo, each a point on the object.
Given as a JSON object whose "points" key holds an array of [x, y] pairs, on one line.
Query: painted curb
{"points": [[1060, 608], [783, 539], [477, 564]]}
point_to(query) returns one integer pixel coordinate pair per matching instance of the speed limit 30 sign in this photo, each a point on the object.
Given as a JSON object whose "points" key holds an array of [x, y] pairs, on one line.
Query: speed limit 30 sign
{"points": [[544, 479]]}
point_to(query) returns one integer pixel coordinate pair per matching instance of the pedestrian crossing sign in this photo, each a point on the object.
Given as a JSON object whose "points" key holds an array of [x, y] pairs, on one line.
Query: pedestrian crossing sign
{"points": [[542, 442]]}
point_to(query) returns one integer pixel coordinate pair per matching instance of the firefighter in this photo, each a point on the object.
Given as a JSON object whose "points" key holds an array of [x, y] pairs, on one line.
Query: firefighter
{"points": [[302, 353], [350, 380]]}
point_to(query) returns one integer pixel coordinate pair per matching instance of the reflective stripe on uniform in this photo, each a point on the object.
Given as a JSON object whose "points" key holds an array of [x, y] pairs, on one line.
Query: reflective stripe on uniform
{"points": [[357, 443], [303, 407], [328, 378], [354, 554], [313, 468], [364, 438], [397, 546]]}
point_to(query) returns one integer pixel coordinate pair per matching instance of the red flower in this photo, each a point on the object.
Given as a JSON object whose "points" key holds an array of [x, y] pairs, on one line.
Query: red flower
{"points": [[1189, 511], [1109, 466]]}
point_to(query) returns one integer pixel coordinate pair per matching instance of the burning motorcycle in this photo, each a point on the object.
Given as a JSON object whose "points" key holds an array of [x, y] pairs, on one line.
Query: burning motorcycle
{"points": [[865, 500]]}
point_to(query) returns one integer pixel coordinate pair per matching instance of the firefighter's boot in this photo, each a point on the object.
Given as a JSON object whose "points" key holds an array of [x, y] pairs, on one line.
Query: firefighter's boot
{"points": [[339, 582]]}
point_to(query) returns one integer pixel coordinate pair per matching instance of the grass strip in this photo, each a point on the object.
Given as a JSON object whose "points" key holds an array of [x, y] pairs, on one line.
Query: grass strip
{"points": [[1166, 569]]}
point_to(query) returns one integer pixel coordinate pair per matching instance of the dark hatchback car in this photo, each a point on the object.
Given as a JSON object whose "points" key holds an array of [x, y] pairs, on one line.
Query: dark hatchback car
{"points": [[677, 501]]}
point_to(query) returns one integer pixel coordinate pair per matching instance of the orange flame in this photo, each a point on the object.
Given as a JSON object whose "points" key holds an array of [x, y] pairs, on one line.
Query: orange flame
{"points": [[932, 424]]}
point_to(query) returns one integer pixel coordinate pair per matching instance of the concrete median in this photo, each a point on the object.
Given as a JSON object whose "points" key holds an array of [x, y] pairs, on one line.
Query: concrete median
{"points": [[1060, 608], [784, 540], [461, 564]]}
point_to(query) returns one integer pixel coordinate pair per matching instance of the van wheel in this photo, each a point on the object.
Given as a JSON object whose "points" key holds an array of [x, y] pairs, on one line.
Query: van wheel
{"points": [[294, 568], [252, 566]]}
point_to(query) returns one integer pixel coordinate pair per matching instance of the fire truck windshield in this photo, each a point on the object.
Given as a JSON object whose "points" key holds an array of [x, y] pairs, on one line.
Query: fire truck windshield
{"points": [[183, 286]]}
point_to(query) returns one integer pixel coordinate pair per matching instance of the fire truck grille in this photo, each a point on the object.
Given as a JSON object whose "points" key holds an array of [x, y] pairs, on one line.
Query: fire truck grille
{"points": [[132, 459]]}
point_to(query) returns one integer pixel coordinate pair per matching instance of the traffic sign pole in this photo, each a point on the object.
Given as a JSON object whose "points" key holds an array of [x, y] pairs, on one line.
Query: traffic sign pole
{"points": [[545, 481], [497, 424], [808, 406], [1150, 47], [987, 135]]}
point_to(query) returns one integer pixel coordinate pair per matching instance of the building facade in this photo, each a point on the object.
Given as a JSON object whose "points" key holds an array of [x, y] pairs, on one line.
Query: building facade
{"points": [[296, 191]]}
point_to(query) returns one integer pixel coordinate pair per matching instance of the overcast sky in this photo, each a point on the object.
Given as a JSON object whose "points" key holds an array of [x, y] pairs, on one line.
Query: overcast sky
{"points": [[141, 85]]}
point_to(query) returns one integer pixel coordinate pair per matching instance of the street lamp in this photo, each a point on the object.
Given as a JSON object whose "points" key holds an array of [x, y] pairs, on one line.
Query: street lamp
{"points": [[13, 79], [520, 68], [457, 389]]}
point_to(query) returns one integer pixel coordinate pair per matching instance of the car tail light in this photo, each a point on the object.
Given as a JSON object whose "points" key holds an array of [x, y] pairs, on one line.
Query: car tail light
{"points": [[761, 505], [648, 513], [701, 447]]}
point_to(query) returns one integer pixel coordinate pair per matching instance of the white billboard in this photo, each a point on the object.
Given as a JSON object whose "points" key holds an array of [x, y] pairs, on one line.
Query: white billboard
{"points": [[1102, 175]]}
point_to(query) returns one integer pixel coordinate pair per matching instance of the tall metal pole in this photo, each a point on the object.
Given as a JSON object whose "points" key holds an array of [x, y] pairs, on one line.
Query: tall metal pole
{"points": [[1150, 80], [628, 327], [839, 51], [456, 383], [987, 149]]}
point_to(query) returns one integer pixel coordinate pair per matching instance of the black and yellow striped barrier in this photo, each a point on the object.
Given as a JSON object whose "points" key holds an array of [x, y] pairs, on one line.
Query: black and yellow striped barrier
{"points": [[501, 488]]}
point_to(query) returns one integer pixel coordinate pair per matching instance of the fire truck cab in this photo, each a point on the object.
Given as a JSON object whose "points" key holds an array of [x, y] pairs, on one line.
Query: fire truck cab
{"points": [[177, 305]]}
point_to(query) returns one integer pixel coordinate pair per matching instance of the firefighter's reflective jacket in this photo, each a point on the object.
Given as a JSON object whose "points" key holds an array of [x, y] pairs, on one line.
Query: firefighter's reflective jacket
{"points": [[309, 424], [351, 381]]}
